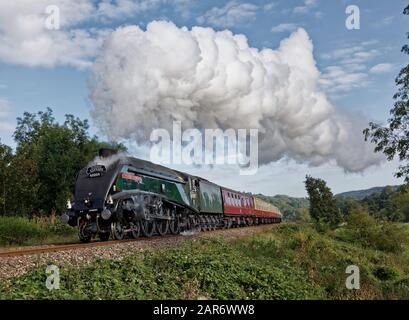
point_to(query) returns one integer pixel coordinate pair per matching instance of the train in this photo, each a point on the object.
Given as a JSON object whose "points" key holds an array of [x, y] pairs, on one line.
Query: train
{"points": [[118, 196]]}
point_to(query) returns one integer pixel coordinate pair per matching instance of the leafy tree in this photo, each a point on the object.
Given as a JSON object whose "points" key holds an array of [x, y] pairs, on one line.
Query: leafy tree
{"points": [[48, 157], [302, 215], [400, 203], [22, 187], [393, 139], [322, 203], [5, 159], [345, 205]]}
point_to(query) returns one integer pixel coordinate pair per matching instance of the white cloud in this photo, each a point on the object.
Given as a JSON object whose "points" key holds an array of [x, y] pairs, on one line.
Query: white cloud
{"points": [[306, 7], [384, 22], [387, 20], [349, 68], [319, 14], [183, 7], [342, 79], [210, 79], [352, 54], [284, 27], [269, 6], [382, 68], [120, 9], [25, 40], [233, 14]]}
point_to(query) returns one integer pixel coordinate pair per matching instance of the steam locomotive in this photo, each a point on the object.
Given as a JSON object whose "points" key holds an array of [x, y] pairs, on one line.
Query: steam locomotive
{"points": [[120, 196]]}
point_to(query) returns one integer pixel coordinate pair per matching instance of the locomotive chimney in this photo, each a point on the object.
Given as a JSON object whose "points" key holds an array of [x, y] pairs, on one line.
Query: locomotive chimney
{"points": [[106, 152]]}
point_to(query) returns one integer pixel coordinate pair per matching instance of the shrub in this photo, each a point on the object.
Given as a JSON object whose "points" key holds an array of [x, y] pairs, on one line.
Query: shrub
{"points": [[385, 273], [16, 230], [365, 230], [22, 231]]}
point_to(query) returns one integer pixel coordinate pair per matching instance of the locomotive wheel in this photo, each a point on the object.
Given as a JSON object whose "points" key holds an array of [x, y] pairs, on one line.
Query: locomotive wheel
{"points": [[117, 231], [104, 236], [148, 227], [195, 224], [214, 223], [187, 226], [83, 232], [162, 227], [207, 224], [135, 230], [174, 226], [202, 222]]}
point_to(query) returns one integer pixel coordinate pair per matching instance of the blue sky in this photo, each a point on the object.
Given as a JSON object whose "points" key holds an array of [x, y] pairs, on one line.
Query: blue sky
{"points": [[367, 60]]}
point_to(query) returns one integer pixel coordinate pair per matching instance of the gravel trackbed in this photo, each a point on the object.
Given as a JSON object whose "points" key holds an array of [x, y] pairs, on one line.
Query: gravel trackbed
{"points": [[14, 266]]}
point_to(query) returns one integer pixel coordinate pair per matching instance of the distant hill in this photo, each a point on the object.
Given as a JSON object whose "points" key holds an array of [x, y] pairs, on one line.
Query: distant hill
{"points": [[290, 206], [362, 194]]}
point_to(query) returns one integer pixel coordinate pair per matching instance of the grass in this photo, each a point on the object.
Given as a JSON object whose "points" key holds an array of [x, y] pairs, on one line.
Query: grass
{"points": [[291, 261], [18, 231]]}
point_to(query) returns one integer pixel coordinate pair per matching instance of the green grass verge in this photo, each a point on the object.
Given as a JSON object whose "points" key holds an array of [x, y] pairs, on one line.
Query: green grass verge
{"points": [[18, 231], [289, 262]]}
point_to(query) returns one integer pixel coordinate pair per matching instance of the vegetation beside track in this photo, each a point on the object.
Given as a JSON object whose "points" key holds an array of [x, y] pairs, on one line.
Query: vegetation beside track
{"points": [[19, 231], [290, 261]]}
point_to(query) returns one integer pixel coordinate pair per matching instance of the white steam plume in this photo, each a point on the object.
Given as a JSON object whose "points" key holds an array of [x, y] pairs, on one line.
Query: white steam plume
{"points": [[146, 79]]}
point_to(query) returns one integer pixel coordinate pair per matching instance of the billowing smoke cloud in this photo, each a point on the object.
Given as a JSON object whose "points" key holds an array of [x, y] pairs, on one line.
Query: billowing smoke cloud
{"points": [[145, 79]]}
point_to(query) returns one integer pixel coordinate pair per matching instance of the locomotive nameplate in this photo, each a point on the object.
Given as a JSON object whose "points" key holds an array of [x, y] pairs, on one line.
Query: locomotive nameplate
{"points": [[96, 171], [127, 176]]}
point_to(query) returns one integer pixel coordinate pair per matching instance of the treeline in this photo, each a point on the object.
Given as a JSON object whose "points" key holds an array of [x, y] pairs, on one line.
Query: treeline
{"points": [[370, 222], [39, 176], [391, 204]]}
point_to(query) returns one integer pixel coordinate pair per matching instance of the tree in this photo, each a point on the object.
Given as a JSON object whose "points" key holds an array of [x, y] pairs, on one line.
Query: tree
{"points": [[393, 139], [5, 159], [322, 203], [48, 157], [302, 215]]}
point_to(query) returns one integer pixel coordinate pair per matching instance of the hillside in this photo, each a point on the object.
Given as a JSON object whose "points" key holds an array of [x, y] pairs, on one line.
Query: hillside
{"points": [[362, 194]]}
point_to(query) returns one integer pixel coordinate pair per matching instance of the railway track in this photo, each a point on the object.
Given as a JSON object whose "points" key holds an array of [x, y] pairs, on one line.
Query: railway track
{"points": [[21, 251], [25, 251]]}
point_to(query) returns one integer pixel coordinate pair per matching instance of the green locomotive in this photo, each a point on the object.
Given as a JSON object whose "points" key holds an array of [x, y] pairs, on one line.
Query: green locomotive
{"points": [[121, 196]]}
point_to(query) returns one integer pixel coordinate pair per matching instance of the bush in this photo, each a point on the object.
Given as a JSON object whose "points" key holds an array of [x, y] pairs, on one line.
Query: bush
{"points": [[22, 231], [365, 230], [16, 230], [385, 273], [392, 237]]}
